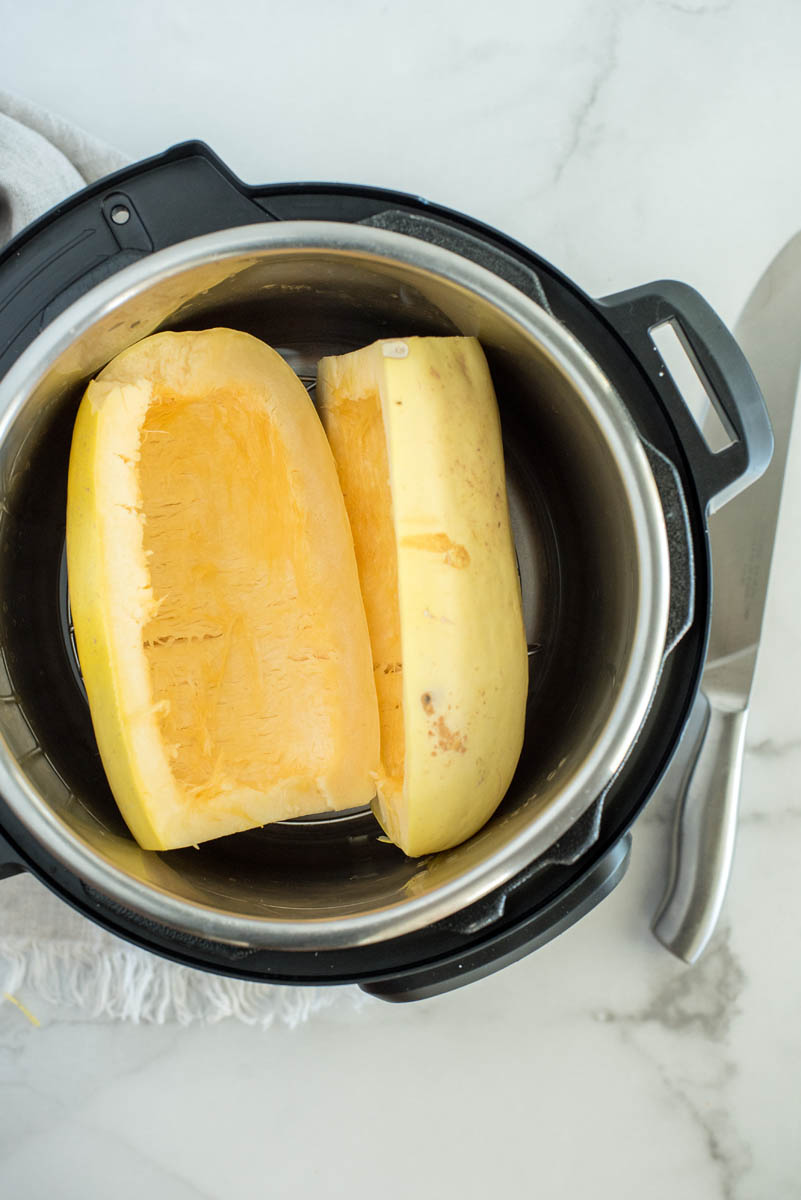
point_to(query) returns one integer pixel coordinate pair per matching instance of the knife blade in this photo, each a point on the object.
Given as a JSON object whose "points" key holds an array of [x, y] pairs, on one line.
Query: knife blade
{"points": [[741, 537]]}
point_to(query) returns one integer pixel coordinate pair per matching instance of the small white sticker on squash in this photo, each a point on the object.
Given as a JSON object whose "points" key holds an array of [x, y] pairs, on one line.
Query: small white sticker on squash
{"points": [[395, 349]]}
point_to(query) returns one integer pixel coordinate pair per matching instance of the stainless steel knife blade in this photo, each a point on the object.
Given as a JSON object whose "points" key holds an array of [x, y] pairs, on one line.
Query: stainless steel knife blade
{"points": [[742, 532], [741, 538]]}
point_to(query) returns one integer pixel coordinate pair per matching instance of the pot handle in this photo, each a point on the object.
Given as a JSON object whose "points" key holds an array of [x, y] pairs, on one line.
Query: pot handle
{"points": [[499, 950], [10, 861], [183, 193], [722, 368]]}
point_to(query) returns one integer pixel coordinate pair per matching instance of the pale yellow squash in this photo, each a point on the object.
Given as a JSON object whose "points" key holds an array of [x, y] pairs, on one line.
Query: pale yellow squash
{"points": [[215, 597], [416, 437]]}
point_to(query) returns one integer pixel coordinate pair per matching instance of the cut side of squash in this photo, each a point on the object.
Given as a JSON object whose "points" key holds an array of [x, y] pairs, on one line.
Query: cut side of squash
{"points": [[214, 591], [416, 436]]}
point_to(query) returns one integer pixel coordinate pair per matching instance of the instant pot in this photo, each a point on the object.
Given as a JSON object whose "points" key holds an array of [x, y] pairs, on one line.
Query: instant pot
{"points": [[609, 479]]}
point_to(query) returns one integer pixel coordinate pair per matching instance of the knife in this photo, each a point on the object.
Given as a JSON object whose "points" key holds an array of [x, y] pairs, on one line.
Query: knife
{"points": [[741, 536]]}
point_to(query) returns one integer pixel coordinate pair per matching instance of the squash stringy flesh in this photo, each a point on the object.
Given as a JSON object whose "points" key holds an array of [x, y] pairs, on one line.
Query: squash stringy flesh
{"points": [[238, 661], [357, 436]]}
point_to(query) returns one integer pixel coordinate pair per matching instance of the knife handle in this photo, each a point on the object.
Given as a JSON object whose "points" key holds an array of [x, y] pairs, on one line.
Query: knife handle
{"points": [[722, 368], [704, 831]]}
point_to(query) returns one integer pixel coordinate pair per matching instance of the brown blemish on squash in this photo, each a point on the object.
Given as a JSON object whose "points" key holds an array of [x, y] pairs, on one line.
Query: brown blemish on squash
{"points": [[435, 372], [459, 359], [457, 557], [453, 554], [448, 738]]}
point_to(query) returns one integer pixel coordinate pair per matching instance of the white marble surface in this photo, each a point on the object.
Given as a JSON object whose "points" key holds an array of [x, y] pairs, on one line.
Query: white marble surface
{"points": [[624, 140]]}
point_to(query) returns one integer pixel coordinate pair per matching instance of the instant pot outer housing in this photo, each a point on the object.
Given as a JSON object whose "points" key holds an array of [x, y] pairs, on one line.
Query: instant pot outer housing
{"points": [[609, 484]]}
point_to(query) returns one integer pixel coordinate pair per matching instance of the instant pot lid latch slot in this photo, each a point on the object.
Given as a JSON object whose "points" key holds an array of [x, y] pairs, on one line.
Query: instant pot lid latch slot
{"points": [[449, 237]]}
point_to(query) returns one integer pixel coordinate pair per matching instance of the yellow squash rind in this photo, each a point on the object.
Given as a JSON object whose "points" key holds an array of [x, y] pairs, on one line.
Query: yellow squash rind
{"points": [[464, 653]]}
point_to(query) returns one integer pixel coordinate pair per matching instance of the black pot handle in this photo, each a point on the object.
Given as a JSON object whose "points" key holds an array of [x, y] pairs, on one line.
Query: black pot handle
{"points": [[10, 861], [501, 949], [721, 366], [185, 192]]}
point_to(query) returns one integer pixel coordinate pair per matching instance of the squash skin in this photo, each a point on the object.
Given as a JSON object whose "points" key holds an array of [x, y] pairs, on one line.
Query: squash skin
{"points": [[464, 652], [112, 598]]}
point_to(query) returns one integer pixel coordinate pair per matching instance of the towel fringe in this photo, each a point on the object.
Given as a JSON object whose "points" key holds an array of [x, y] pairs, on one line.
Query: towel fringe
{"points": [[126, 984]]}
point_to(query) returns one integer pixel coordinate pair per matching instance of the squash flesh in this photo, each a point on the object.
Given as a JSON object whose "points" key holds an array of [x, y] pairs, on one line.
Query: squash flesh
{"points": [[356, 432], [231, 646], [224, 595]]}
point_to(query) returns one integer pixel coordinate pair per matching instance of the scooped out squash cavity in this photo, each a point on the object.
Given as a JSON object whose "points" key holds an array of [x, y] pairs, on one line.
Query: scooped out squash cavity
{"points": [[215, 598]]}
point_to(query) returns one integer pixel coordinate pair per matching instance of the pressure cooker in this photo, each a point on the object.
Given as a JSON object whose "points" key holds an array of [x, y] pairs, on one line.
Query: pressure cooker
{"points": [[610, 481]]}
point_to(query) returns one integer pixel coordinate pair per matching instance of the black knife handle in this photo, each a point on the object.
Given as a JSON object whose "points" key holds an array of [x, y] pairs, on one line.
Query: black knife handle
{"points": [[722, 368]]}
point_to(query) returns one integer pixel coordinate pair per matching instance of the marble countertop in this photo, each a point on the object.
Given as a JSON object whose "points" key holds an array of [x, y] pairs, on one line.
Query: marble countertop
{"points": [[625, 141]]}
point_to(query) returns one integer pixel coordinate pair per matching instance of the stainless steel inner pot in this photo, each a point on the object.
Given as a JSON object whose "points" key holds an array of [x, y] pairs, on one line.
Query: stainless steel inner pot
{"points": [[591, 544]]}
